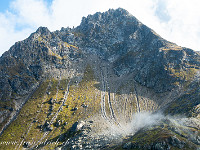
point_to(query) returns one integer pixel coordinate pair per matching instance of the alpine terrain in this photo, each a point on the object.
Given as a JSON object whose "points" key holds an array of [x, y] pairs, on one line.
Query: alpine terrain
{"points": [[110, 83]]}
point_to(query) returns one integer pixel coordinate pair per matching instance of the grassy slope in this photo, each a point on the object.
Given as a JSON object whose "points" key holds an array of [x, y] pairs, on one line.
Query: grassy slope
{"points": [[186, 103], [35, 111], [160, 134]]}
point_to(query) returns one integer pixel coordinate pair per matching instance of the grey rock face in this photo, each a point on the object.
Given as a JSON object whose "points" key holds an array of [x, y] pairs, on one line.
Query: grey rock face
{"points": [[115, 36], [119, 37]]}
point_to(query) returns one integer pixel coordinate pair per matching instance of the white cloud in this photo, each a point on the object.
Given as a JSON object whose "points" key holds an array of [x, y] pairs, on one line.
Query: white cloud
{"points": [[8, 33], [184, 25], [32, 12], [175, 20]]}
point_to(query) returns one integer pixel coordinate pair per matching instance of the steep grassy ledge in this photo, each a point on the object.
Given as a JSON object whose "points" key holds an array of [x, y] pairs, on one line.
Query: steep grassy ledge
{"points": [[38, 110]]}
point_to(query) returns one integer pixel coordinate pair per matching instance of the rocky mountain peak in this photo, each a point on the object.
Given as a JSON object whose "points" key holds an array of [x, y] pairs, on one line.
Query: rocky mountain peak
{"points": [[43, 30], [112, 17], [111, 13]]}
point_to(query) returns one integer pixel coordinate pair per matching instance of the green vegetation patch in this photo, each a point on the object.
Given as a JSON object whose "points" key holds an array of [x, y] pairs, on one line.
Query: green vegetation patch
{"points": [[18, 128], [186, 75], [82, 102]]}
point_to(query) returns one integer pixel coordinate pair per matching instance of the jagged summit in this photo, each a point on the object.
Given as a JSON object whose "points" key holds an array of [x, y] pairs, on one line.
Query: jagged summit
{"points": [[116, 13], [73, 85], [43, 30], [119, 11], [120, 26]]}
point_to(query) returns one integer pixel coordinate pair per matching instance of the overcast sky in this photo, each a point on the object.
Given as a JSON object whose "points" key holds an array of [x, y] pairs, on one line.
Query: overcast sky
{"points": [[175, 20]]}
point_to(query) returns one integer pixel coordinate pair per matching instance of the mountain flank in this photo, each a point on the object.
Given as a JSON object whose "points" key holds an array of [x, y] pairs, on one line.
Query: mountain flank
{"points": [[110, 83]]}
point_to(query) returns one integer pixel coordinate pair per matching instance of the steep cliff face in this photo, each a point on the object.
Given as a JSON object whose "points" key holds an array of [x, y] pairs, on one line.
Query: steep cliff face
{"points": [[130, 46], [102, 72]]}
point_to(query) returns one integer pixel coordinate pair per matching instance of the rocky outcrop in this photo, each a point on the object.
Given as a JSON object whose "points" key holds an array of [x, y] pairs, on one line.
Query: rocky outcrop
{"points": [[163, 137], [115, 36]]}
